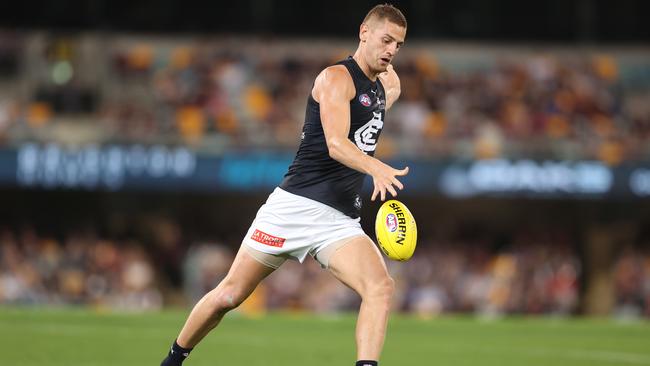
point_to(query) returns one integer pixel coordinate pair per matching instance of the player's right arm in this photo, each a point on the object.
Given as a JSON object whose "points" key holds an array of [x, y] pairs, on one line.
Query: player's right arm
{"points": [[333, 90]]}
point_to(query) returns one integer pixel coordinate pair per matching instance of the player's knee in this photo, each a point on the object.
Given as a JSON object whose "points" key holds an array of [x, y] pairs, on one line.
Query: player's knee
{"points": [[388, 287], [382, 289], [225, 299]]}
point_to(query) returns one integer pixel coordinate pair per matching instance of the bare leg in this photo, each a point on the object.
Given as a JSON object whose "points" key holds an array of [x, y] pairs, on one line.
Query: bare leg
{"points": [[244, 276], [359, 265]]}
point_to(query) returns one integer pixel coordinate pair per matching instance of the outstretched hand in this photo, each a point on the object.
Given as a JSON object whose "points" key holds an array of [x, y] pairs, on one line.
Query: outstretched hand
{"points": [[384, 179]]}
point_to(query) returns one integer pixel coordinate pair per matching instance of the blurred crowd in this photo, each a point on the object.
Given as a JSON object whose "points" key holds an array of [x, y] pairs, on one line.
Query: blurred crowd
{"points": [[534, 275], [530, 273], [632, 283], [535, 105], [229, 94], [243, 93], [80, 269]]}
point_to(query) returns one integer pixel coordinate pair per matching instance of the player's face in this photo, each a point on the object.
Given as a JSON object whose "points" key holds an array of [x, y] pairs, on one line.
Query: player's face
{"points": [[383, 40]]}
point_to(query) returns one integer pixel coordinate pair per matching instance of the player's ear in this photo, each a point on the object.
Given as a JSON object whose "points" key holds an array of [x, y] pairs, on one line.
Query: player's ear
{"points": [[363, 32]]}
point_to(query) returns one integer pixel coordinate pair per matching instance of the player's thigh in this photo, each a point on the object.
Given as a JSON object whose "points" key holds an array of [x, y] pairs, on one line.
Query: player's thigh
{"points": [[359, 265], [245, 273]]}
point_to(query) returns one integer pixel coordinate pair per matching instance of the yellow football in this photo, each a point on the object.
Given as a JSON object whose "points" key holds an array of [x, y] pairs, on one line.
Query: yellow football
{"points": [[396, 231]]}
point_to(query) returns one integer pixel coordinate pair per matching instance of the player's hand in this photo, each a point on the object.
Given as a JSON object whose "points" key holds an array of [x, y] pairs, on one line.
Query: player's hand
{"points": [[384, 180], [389, 69]]}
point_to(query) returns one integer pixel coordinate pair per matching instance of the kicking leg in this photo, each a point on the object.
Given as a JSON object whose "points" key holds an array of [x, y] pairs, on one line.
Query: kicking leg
{"points": [[245, 274], [359, 265]]}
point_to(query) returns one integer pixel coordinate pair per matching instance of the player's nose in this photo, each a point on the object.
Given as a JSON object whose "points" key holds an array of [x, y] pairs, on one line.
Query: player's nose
{"points": [[392, 49]]}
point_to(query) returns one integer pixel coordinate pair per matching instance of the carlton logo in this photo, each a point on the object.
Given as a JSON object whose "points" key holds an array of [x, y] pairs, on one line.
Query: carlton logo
{"points": [[267, 239], [365, 100], [391, 223], [366, 136]]}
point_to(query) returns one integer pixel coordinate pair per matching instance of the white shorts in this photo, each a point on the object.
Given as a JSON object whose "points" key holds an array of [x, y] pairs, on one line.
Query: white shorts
{"points": [[293, 226]]}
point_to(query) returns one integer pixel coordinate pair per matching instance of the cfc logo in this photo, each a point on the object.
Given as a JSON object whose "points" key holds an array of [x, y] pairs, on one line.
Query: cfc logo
{"points": [[366, 136]]}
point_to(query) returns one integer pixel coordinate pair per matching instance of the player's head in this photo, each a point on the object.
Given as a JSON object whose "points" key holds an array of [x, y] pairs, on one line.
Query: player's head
{"points": [[381, 34]]}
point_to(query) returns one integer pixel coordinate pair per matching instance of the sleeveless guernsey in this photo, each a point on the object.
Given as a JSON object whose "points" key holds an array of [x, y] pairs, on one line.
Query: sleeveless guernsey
{"points": [[313, 173]]}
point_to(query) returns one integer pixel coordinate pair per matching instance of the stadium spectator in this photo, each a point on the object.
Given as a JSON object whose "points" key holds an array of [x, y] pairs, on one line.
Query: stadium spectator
{"points": [[80, 270], [552, 104], [538, 273]]}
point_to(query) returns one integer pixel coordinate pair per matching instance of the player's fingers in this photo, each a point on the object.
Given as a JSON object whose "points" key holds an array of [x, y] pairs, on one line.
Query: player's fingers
{"points": [[403, 172], [383, 194], [397, 183], [374, 193], [392, 190]]}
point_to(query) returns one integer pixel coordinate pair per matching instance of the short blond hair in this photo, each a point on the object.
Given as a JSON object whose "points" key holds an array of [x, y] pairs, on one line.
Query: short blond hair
{"points": [[386, 11]]}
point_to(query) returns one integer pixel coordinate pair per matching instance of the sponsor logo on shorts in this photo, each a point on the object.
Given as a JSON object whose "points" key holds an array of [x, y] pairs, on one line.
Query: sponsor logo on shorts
{"points": [[365, 100], [267, 239], [391, 222]]}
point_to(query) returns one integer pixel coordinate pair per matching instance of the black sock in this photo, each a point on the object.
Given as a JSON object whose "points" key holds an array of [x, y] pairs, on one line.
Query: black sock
{"points": [[367, 363], [176, 355]]}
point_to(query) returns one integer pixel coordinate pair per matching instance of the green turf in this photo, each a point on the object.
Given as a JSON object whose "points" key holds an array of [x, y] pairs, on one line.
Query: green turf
{"points": [[77, 337]]}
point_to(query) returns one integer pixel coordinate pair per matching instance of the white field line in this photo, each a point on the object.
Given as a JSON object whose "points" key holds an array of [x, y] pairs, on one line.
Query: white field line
{"points": [[618, 357], [614, 356]]}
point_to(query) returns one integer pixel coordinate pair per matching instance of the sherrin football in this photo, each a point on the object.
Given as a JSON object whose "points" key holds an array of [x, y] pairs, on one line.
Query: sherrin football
{"points": [[396, 231]]}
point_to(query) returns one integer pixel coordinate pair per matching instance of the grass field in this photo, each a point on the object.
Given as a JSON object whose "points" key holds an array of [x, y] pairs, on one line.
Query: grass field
{"points": [[78, 337]]}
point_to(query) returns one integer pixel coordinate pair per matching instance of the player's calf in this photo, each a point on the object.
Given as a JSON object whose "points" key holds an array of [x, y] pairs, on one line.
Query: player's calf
{"points": [[208, 312]]}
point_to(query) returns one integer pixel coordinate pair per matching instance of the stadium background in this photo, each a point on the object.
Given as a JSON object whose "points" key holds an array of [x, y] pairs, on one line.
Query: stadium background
{"points": [[138, 139]]}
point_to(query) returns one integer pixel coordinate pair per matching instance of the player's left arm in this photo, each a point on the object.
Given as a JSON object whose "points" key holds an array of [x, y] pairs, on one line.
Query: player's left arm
{"points": [[392, 86]]}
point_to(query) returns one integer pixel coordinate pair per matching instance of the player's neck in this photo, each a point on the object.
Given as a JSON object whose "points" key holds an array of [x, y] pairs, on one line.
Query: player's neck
{"points": [[364, 66]]}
